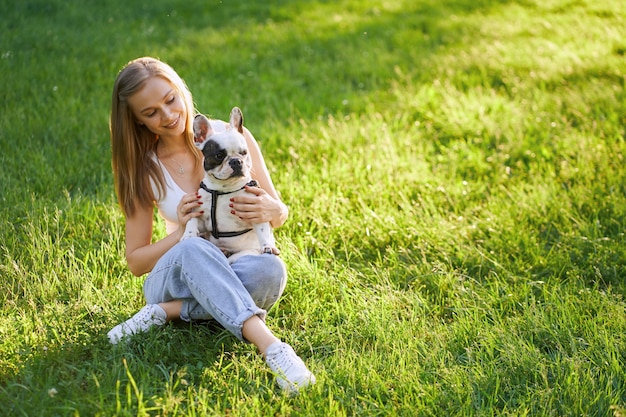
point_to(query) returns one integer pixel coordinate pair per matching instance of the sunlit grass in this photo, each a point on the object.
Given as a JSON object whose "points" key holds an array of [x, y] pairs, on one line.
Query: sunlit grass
{"points": [[455, 177]]}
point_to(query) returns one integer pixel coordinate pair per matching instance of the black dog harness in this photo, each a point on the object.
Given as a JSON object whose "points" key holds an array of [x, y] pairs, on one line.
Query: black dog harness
{"points": [[214, 194]]}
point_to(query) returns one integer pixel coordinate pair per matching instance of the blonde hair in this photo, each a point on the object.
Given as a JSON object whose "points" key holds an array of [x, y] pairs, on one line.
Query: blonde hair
{"points": [[133, 145]]}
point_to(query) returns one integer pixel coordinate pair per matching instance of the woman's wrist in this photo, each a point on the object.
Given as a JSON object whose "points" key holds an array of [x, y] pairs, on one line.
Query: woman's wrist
{"points": [[281, 215], [178, 233]]}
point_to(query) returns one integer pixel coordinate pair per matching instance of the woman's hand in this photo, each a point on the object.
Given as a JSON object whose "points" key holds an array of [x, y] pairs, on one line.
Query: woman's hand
{"points": [[187, 208], [257, 206]]}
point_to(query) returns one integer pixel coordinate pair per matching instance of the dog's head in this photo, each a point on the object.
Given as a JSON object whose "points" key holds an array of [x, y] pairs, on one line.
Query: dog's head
{"points": [[226, 158]]}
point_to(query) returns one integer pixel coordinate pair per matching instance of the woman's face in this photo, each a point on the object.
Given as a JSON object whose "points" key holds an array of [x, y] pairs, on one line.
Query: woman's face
{"points": [[159, 107]]}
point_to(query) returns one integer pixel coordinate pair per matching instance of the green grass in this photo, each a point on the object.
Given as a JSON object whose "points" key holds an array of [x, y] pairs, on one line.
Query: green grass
{"points": [[455, 173]]}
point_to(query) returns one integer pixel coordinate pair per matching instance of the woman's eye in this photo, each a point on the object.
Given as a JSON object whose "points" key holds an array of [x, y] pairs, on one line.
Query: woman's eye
{"points": [[171, 100]]}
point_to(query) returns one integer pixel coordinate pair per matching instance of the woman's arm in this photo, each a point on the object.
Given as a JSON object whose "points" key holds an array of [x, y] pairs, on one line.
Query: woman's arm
{"points": [[141, 253]]}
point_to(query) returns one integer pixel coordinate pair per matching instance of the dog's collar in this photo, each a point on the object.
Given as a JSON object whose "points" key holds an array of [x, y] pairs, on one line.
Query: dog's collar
{"points": [[214, 194], [252, 183]]}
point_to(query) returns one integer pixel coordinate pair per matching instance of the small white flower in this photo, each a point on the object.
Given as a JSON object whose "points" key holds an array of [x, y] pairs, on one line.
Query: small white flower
{"points": [[52, 392]]}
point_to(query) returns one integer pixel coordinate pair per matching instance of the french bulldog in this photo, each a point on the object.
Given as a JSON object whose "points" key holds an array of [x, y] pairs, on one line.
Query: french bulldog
{"points": [[227, 165]]}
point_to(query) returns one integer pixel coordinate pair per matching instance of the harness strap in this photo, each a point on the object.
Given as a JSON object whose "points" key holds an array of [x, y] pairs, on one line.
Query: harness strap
{"points": [[214, 194]]}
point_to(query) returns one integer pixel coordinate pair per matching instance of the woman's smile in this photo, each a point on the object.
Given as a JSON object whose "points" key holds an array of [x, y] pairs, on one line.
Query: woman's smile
{"points": [[173, 124]]}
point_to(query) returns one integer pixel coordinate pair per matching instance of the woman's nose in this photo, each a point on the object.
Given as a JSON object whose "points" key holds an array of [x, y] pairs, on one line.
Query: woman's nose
{"points": [[167, 115]]}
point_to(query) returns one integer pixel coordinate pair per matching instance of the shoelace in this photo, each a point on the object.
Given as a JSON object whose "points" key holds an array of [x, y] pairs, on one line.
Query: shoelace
{"points": [[145, 316], [284, 359]]}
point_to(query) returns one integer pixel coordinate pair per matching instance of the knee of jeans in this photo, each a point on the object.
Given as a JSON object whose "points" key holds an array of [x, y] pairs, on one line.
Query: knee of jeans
{"points": [[275, 264], [278, 276], [265, 278], [196, 245], [192, 243]]}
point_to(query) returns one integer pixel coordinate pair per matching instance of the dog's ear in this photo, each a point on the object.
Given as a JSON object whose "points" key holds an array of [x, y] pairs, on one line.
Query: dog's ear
{"points": [[201, 128], [236, 119]]}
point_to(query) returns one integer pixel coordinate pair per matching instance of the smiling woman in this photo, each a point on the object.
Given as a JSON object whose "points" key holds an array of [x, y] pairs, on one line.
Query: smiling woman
{"points": [[159, 107], [163, 112], [152, 120]]}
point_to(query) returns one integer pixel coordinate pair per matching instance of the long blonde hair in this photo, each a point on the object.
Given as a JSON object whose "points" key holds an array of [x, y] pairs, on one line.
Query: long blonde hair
{"points": [[133, 145]]}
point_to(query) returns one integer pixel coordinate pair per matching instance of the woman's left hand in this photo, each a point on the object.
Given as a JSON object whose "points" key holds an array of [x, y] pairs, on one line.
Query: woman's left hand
{"points": [[256, 206]]}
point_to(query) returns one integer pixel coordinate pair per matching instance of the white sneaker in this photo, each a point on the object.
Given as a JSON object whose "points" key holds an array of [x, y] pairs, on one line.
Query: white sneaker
{"points": [[291, 372], [148, 316]]}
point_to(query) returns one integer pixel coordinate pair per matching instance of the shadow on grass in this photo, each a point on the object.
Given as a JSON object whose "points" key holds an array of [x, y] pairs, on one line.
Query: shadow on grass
{"points": [[94, 377]]}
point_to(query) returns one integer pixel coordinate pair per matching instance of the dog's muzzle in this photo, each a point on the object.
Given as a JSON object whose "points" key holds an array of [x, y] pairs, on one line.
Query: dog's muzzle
{"points": [[237, 167]]}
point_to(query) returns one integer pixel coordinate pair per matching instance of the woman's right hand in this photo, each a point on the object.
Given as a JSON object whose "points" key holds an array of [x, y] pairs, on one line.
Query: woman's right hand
{"points": [[187, 208]]}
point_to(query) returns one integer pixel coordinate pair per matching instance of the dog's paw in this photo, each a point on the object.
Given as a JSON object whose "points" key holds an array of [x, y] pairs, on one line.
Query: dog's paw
{"points": [[270, 250], [187, 235]]}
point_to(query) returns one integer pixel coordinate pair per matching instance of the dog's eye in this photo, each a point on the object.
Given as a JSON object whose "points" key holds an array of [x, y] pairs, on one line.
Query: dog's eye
{"points": [[219, 155], [244, 152]]}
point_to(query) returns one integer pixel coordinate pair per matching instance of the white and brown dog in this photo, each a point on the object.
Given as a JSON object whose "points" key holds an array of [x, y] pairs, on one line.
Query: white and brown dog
{"points": [[227, 165]]}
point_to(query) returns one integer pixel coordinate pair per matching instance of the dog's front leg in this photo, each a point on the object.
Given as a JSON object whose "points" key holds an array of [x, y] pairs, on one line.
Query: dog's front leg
{"points": [[191, 229], [266, 238], [196, 226]]}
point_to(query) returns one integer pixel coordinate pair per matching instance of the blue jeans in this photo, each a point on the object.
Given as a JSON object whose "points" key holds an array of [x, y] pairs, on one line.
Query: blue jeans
{"points": [[197, 272]]}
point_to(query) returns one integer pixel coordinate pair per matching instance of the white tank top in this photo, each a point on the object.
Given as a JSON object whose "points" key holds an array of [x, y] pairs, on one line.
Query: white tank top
{"points": [[173, 193]]}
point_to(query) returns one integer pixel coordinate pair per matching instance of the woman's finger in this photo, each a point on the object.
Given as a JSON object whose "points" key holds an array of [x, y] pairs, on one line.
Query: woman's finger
{"points": [[186, 207]]}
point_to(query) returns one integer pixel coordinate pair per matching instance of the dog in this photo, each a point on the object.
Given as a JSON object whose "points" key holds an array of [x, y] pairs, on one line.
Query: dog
{"points": [[227, 166]]}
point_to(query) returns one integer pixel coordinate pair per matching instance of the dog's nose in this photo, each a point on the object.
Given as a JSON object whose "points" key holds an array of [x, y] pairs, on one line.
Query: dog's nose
{"points": [[235, 163]]}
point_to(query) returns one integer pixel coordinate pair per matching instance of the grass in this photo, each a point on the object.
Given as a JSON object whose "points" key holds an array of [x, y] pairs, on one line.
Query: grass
{"points": [[455, 175]]}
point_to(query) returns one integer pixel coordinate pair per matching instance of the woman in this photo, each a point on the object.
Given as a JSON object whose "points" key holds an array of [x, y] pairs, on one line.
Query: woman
{"points": [[155, 162]]}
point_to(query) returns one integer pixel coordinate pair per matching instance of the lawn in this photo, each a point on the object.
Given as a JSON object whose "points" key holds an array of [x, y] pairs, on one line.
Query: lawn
{"points": [[455, 176]]}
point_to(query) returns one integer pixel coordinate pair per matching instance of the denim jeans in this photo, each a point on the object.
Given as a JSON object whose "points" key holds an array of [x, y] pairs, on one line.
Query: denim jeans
{"points": [[197, 272]]}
